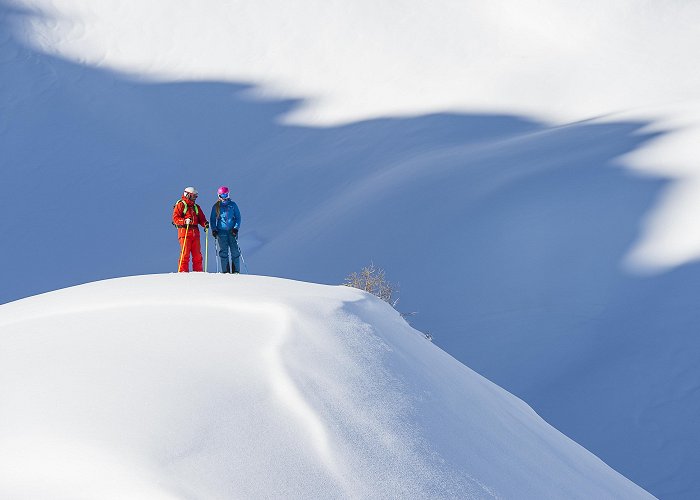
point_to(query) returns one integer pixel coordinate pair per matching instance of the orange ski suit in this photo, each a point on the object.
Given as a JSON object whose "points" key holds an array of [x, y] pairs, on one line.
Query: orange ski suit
{"points": [[190, 245]]}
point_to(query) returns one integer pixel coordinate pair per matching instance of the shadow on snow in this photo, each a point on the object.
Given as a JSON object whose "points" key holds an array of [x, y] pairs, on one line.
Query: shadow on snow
{"points": [[506, 235]]}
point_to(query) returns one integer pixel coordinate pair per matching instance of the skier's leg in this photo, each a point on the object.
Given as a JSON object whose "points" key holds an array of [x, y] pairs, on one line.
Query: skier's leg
{"points": [[197, 253], [185, 244], [223, 251], [235, 255]]}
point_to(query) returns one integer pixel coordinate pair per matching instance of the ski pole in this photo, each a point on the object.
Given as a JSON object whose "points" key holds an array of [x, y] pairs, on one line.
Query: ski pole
{"points": [[206, 249], [216, 243], [243, 260], [182, 252]]}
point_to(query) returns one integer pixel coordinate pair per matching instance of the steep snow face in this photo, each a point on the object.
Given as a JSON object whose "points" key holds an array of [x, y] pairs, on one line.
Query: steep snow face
{"points": [[211, 386], [553, 260], [342, 64]]}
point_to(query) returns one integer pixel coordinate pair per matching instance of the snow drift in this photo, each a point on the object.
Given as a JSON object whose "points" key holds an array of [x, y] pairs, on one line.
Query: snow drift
{"points": [[451, 142], [212, 386]]}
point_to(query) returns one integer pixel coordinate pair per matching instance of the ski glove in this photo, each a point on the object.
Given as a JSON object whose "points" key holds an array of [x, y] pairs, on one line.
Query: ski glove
{"points": [[214, 233], [188, 221], [206, 226], [234, 231]]}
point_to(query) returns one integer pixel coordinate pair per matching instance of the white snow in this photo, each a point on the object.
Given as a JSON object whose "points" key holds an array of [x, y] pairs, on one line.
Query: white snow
{"points": [[363, 59], [527, 171], [554, 62], [215, 386]]}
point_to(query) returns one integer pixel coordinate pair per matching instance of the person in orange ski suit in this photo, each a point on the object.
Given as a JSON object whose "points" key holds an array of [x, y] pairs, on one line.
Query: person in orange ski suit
{"points": [[187, 217]]}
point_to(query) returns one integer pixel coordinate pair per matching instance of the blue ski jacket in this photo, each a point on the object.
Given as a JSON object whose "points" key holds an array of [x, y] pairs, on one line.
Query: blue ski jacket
{"points": [[225, 216]]}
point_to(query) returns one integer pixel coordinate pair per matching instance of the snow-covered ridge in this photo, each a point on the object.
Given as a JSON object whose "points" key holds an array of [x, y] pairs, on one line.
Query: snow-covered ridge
{"points": [[212, 386], [558, 261]]}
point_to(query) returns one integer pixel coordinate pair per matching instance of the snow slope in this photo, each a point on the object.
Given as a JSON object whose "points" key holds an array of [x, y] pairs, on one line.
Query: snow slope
{"points": [[211, 386], [525, 170]]}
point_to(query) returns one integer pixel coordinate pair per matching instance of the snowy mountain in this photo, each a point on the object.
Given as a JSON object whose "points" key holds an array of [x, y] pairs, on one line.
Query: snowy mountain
{"points": [[526, 171], [208, 386]]}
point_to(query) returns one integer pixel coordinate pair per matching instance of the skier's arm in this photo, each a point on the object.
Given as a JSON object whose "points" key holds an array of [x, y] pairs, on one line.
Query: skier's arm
{"points": [[178, 218], [202, 218], [237, 216], [212, 219]]}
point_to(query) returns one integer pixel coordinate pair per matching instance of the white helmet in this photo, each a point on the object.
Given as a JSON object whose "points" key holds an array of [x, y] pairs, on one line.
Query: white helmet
{"points": [[190, 192]]}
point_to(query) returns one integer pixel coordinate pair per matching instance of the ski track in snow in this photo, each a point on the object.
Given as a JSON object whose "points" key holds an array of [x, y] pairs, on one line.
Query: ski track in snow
{"points": [[293, 401]]}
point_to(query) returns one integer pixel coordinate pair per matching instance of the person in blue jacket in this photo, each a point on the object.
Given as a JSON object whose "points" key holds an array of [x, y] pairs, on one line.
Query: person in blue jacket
{"points": [[225, 221]]}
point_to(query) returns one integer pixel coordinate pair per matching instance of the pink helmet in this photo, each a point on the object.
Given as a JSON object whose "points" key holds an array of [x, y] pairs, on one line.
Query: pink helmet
{"points": [[222, 192]]}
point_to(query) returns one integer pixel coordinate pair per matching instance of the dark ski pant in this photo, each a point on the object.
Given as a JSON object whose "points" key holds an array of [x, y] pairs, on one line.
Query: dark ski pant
{"points": [[228, 245]]}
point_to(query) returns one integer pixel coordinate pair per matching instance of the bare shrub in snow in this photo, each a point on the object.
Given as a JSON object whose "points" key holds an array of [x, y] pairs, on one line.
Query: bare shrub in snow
{"points": [[372, 279]]}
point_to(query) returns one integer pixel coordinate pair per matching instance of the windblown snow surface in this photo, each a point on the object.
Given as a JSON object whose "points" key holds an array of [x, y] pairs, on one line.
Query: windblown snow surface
{"points": [[527, 171], [212, 386]]}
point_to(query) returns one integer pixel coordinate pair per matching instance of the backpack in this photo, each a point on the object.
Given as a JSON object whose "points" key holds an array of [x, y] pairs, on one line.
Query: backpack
{"points": [[184, 210]]}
